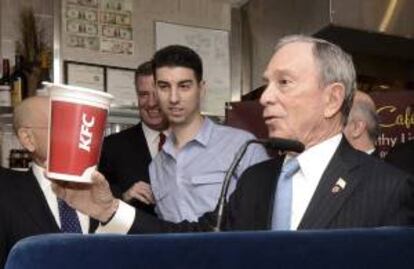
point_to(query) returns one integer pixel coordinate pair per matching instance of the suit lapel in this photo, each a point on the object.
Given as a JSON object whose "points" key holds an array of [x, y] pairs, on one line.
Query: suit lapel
{"points": [[33, 203], [334, 188]]}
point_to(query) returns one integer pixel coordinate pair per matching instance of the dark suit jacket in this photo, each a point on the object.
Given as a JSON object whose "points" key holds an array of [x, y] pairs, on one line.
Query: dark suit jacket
{"points": [[23, 210], [375, 195], [402, 156], [125, 158]]}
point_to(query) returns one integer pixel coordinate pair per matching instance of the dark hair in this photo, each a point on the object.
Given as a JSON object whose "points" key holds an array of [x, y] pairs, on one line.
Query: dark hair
{"points": [[178, 56], [144, 69]]}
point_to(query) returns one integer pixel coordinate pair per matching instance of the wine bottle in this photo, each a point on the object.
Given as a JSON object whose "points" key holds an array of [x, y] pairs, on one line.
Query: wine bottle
{"points": [[5, 85], [19, 82], [44, 70]]}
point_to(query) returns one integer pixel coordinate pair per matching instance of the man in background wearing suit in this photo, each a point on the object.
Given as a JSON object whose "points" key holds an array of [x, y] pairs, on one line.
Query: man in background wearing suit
{"points": [[126, 155], [28, 206], [362, 128], [310, 86]]}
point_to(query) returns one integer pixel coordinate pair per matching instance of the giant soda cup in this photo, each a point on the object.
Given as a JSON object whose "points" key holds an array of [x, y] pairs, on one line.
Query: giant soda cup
{"points": [[77, 123]]}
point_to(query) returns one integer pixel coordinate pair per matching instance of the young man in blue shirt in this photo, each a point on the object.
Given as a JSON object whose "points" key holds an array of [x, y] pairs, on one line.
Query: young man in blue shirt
{"points": [[186, 177]]}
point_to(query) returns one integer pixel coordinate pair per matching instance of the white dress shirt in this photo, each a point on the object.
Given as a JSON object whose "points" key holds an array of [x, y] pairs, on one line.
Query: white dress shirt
{"points": [[51, 199], [153, 138], [313, 162], [370, 151]]}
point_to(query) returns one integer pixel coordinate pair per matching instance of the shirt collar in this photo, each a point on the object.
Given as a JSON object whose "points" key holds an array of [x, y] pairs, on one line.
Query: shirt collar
{"points": [[38, 172], [204, 134], [150, 134], [314, 160], [370, 151]]}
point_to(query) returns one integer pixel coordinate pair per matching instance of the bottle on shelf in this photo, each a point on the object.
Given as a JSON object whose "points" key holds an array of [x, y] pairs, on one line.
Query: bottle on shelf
{"points": [[19, 159], [5, 85], [44, 70], [19, 82]]}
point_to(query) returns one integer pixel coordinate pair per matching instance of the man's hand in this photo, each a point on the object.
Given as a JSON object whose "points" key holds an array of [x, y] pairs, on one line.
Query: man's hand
{"points": [[140, 191], [94, 199]]}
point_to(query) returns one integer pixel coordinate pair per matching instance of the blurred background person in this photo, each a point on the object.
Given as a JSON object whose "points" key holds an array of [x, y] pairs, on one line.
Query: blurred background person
{"points": [[362, 128]]}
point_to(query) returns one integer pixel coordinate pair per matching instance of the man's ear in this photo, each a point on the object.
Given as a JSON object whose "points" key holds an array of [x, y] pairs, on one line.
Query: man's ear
{"points": [[203, 89], [26, 138], [334, 98]]}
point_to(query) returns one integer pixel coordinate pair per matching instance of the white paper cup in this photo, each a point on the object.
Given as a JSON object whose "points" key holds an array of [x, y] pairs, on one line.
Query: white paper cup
{"points": [[77, 124]]}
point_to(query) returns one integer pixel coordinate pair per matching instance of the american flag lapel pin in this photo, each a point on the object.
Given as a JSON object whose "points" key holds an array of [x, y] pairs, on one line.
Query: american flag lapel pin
{"points": [[339, 185]]}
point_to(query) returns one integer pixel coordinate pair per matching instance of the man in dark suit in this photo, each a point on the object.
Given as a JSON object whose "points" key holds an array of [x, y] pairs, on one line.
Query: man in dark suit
{"points": [[310, 87], [126, 155], [28, 205], [362, 127]]}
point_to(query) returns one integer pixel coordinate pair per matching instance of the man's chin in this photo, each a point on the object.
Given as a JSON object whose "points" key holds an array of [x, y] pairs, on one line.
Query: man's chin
{"points": [[273, 134], [177, 121], [154, 124]]}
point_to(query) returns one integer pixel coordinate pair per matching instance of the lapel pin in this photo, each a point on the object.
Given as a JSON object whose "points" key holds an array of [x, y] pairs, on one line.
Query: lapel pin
{"points": [[339, 185]]}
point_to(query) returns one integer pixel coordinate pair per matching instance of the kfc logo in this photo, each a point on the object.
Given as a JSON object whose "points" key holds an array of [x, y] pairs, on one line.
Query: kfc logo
{"points": [[85, 137]]}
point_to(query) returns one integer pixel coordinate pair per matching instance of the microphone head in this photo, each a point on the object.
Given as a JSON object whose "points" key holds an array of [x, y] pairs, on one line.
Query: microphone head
{"points": [[284, 144]]}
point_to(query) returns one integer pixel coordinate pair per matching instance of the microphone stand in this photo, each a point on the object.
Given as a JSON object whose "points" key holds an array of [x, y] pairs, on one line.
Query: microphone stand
{"points": [[226, 183], [273, 143]]}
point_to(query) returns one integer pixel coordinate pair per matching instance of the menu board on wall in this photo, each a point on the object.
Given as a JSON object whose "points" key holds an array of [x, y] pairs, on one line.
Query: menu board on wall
{"points": [[396, 113], [99, 25], [213, 47]]}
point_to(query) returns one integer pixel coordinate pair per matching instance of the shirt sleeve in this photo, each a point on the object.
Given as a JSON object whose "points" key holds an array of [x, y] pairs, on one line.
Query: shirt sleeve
{"points": [[121, 222]]}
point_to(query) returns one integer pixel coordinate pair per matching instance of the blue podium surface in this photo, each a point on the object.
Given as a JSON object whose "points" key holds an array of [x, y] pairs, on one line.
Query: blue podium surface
{"points": [[354, 248]]}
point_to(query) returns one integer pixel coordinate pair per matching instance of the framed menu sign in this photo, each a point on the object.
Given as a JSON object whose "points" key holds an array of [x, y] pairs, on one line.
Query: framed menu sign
{"points": [[85, 75]]}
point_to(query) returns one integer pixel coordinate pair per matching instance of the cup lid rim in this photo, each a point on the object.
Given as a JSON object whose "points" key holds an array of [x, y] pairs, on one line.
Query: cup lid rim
{"points": [[79, 88]]}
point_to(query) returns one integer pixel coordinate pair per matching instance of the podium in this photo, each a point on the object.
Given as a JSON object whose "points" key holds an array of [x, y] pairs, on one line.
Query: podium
{"points": [[354, 248]]}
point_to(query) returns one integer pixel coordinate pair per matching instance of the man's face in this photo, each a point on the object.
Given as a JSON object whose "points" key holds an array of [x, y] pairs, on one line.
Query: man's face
{"points": [[149, 110], [179, 94], [293, 100]]}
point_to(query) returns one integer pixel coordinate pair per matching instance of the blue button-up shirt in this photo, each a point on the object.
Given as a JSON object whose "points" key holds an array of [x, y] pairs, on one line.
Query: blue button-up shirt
{"points": [[187, 183]]}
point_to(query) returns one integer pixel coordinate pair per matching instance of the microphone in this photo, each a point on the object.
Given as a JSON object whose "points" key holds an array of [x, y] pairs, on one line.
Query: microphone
{"points": [[271, 143], [282, 144]]}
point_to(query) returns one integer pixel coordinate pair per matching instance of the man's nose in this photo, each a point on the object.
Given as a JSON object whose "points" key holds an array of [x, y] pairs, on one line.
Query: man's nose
{"points": [[174, 96], [153, 100], [267, 95]]}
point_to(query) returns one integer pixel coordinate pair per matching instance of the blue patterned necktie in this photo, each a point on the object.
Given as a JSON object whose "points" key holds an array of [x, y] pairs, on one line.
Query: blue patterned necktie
{"points": [[282, 207], [69, 221]]}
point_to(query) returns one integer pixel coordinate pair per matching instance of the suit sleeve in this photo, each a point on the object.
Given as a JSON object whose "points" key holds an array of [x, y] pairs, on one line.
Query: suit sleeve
{"points": [[145, 223], [233, 216], [105, 167], [402, 211]]}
